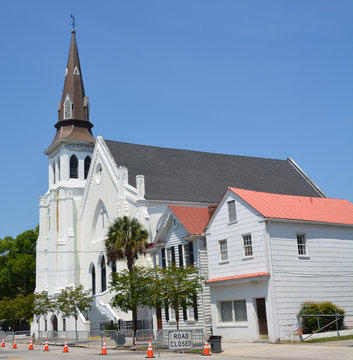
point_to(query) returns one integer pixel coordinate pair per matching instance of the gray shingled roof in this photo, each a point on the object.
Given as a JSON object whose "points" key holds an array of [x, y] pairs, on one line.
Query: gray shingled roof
{"points": [[184, 175]]}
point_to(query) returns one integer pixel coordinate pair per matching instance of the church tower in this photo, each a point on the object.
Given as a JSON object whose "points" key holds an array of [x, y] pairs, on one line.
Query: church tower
{"points": [[69, 155]]}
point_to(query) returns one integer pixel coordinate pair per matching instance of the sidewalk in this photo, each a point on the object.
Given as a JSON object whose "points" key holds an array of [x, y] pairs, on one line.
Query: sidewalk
{"points": [[342, 350]]}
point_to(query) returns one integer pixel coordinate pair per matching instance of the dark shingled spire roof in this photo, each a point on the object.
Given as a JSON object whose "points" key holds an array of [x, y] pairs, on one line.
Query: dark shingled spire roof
{"points": [[73, 120], [194, 176]]}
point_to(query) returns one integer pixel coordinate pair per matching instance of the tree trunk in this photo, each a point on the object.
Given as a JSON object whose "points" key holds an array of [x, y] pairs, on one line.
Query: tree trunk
{"points": [[134, 324], [76, 327], [177, 317]]}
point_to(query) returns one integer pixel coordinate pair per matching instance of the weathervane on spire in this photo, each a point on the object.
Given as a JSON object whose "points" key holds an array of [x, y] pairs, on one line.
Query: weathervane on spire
{"points": [[73, 22]]}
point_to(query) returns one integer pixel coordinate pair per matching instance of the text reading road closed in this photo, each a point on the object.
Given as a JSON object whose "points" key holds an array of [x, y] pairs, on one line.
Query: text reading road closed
{"points": [[179, 340]]}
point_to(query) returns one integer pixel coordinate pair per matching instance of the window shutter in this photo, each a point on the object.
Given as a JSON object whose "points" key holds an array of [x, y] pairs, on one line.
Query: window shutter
{"points": [[163, 257], [185, 313], [173, 255], [191, 253], [196, 313], [180, 250], [166, 311]]}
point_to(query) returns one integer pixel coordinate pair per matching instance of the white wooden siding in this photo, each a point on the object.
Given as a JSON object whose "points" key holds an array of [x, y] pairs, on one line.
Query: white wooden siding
{"points": [[174, 237], [248, 223], [326, 274]]}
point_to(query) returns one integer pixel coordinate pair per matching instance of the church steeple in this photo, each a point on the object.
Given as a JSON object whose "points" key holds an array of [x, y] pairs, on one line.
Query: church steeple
{"points": [[73, 110]]}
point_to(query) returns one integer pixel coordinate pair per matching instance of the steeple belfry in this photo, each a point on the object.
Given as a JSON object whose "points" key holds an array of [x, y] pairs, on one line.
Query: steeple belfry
{"points": [[73, 110]]}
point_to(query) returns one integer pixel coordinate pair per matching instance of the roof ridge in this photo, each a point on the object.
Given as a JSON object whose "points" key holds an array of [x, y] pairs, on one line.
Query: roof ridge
{"points": [[196, 151]]}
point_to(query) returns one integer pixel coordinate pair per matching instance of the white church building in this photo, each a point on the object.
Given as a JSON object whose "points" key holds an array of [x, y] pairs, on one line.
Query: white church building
{"points": [[92, 181]]}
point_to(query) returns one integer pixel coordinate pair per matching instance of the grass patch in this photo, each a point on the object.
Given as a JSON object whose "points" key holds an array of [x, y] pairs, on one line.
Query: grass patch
{"points": [[332, 338]]}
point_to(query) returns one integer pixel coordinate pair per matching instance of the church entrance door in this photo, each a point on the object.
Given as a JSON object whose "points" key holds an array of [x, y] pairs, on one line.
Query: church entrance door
{"points": [[54, 323]]}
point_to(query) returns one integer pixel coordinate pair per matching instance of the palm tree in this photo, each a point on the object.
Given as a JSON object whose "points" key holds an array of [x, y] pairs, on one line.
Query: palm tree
{"points": [[126, 240]]}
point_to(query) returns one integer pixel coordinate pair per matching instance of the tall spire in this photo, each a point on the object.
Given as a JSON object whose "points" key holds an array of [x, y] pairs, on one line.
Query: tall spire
{"points": [[73, 110]]}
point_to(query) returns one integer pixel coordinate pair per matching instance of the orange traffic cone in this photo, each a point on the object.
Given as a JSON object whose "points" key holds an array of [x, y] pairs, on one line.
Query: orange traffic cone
{"points": [[14, 346], [46, 347], [104, 348], [30, 347], [66, 349], [206, 349], [149, 351], [3, 342]]}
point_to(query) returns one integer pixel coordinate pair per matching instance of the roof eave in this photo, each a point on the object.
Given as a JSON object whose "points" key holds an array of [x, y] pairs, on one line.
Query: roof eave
{"points": [[271, 219], [238, 279]]}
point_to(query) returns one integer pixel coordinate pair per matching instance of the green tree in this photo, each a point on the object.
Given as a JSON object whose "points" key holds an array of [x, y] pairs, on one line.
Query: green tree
{"points": [[24, 308], [126, 240], [16, 309], [176, 287], [18, 264], [8, 311], [131, 289], [42, 305], [71, 301]]}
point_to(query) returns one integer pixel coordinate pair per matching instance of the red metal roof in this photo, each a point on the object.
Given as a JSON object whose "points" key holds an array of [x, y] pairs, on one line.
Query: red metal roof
{"points": [[194, 219], [236, 277], [293, 207]]}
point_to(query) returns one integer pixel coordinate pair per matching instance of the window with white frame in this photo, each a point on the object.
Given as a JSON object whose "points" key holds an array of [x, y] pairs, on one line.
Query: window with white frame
{"points": [[232, 311], [302, 245], [232, 214], [247, 245], [169, 256], [223, 250], [189, 253]]}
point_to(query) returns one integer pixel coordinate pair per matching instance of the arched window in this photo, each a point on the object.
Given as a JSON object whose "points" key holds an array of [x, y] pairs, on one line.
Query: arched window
{"points": [[93, 274], [67, 107], [87, 164], [103, 275], [73, 167]]}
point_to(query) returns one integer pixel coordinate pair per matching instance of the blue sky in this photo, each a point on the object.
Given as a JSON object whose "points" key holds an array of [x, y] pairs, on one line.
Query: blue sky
{"points": [[258, 78]]}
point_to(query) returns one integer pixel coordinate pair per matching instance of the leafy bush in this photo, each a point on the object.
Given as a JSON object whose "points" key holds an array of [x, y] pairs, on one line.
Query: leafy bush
{"points": [[310, 324]]}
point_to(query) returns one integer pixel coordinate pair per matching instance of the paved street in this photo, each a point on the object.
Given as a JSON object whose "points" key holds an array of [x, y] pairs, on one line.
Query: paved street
{"points": [[342, 350]]}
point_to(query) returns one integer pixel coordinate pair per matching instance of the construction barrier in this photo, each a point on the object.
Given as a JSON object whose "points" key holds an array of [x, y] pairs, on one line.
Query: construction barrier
{"points": [[121, 338], [104, 348], [30, 347], [66, 348], [149, 351], [59, 337], [177, 340]]}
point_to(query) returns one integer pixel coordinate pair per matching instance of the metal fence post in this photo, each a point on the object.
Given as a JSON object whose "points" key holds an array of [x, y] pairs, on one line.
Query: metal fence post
{"points": [[299, 328]]}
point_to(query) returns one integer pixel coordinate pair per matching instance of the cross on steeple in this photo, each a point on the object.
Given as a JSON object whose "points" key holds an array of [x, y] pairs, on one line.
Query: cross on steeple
{"points": [[73, 22]]}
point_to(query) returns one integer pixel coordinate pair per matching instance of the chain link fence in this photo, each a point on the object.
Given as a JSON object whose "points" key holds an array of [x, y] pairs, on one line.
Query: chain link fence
{"points": [[114, 339]]}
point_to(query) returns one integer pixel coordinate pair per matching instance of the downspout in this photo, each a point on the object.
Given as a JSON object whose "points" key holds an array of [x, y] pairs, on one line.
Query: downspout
{"points": [[203, 303], [272, 278]]}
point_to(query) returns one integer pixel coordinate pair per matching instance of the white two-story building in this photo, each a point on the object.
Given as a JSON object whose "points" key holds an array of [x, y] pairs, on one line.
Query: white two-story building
{"points": [[268, 253]]}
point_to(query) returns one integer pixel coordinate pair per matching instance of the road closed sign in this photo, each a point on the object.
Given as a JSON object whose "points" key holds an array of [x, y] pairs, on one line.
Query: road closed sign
{"points": [[180, 340]]}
